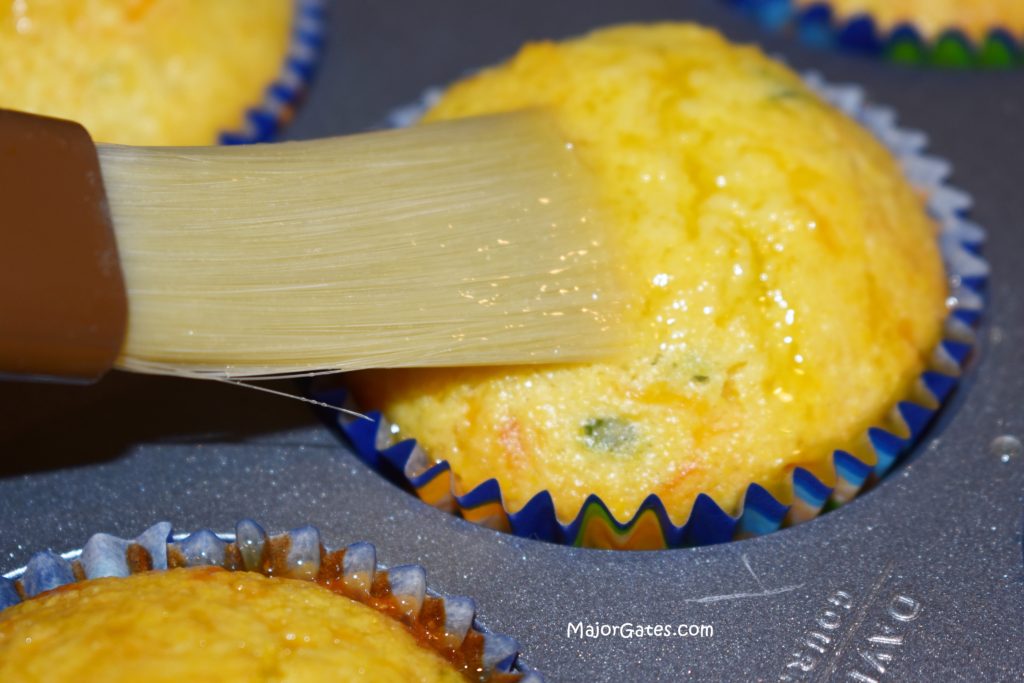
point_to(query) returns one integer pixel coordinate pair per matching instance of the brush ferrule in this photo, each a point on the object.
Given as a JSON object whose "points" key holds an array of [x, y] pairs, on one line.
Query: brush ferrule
{"points": [[63, 307]]}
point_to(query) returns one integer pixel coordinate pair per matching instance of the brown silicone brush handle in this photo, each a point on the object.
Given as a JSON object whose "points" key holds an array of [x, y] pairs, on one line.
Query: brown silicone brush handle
{"points": [[63, 307]]}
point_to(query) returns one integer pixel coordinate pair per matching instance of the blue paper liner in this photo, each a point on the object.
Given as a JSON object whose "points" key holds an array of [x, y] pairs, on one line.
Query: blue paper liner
{"points": [[818, 24], [651, 526], [265, 120], [247, 549]]}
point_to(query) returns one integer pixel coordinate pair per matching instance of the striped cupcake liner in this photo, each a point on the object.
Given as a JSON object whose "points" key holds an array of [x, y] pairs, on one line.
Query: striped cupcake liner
{"points": [[818, 24], [651, 527], [296, 554], [264, 121]]}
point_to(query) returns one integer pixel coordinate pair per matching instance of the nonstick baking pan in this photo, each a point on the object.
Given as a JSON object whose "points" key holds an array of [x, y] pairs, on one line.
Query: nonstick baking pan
{"points": [[919, 579]]}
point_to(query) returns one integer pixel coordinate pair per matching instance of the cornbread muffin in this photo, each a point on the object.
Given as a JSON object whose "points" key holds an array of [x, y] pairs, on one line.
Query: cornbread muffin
{"points": [[207, 624], [156, 72], [974, 17], [788, 283]]}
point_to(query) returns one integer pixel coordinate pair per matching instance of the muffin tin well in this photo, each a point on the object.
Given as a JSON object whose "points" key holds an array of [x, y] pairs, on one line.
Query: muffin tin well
{"points": [[819, 25], [651, 527], [446, 623]]}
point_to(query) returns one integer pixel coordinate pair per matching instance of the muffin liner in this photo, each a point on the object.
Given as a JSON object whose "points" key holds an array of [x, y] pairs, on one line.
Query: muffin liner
{"points": [[264, 121], [960, 240], [400, 592], [818, 25]]}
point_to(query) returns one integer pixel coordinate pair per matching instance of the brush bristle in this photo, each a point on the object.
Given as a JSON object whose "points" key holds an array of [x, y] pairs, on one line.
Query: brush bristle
{"points": [[469, 242]]}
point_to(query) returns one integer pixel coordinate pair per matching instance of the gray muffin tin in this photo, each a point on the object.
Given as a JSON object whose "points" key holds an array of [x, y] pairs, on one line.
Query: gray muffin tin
{"points": [[920, 579]]}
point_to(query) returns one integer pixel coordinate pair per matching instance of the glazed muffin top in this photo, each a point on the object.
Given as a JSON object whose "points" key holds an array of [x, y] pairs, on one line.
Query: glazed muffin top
{"points": [[144, 72], [208, 624], [974, 17], [787, 284]]}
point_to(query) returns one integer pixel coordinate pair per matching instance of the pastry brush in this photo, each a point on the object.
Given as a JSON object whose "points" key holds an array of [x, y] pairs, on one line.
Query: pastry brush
{"points": [[469, 242]]}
